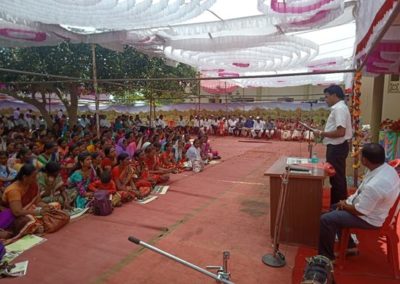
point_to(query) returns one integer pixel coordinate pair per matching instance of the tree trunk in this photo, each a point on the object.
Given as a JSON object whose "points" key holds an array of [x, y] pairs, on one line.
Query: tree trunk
{"points": [[72, 106], [45, 113]]}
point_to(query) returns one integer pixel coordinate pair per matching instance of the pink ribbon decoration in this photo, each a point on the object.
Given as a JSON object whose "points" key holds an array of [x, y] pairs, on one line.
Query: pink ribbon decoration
{"points": [[385, 58], [23, 35], [213, 70], [228, 74], [217, 87], [242, 65], [322, 64], [285, 7]]}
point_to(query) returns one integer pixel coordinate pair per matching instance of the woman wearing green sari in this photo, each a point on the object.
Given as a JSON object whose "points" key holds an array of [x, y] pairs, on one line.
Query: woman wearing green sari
{"points": [[52, 188]]}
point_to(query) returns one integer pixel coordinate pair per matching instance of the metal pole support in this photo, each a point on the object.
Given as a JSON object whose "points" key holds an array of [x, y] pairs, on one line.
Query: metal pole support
{"points": [[221, 277], [277, 259]]}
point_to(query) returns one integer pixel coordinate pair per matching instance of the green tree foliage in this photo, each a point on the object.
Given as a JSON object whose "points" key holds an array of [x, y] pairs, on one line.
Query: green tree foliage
{"points": [[75, 60]]}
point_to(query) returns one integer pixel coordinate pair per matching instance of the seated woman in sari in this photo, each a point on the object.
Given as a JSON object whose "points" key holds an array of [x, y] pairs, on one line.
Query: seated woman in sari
{"points": [[63, 148], [123, 176], [96, 164], [24, 156], [121, 146], [52, 188], [80, 179], [109, 161], [23, 200], [206, 150], [143, 177], [179, 156], [159, 174], [167, 159], [68, 162]]}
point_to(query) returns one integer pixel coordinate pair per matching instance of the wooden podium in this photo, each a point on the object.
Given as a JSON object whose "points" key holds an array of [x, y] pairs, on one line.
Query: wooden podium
{"points": [[303, 206]]}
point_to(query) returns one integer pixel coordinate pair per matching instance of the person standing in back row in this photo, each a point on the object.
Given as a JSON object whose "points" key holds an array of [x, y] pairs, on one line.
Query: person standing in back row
{"points": [[336, 134]]}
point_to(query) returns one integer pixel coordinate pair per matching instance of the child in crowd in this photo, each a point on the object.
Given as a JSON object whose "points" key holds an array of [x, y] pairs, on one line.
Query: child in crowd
{"points": [[106, 183]]}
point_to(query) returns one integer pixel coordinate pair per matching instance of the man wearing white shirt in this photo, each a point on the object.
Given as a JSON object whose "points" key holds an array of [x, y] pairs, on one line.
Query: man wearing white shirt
{"points": [[206, 125], [336, 134], [181, 123], [104, 123], [257, 130], [60, 113], [368, 207], [231, 124], [161, 122], [16, 113], [28, 118]]}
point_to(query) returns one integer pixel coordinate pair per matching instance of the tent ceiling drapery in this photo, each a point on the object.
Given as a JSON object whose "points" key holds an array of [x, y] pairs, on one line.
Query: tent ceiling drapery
{"points": [[103, 14], [384, 55], [221, 37]]}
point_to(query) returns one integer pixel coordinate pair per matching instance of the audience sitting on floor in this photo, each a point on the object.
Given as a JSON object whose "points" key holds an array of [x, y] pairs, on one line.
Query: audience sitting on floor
{"points": [[66, 165]]}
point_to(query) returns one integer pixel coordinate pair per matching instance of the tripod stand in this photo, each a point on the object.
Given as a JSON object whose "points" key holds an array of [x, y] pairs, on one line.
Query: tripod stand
{"points": [[277, 259]]}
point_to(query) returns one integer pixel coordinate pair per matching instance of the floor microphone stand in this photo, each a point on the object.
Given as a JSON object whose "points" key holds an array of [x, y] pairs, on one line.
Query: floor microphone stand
{"points": [[310, 146], [222, 275], [277, 259]]}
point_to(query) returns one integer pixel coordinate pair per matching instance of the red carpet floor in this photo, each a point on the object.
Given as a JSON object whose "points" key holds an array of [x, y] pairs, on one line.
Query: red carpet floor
{"points": [[226, 207]]}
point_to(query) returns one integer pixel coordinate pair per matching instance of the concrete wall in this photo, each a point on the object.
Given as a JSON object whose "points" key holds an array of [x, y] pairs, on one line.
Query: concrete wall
{"points": [[266, 94], [391, 101]]}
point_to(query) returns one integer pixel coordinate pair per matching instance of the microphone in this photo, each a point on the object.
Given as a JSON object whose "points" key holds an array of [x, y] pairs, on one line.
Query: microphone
{"points": [[297, 169], [134, 240]]}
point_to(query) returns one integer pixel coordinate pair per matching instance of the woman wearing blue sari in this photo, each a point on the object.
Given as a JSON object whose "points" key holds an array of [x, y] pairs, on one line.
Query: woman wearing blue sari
{"points": [[80, 179]]}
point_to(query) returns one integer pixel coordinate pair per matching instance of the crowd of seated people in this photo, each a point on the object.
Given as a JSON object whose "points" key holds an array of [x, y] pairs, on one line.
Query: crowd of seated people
{"points": [[41, 166], [43, 169], [255, 127]]}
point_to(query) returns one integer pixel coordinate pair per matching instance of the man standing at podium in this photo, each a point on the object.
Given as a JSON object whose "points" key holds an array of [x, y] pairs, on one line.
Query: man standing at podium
{"points": [[336, 134]]}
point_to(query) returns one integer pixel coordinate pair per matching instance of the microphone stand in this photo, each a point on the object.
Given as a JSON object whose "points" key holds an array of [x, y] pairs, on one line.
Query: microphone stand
{"points": [[310, 145], [222, 275], [277, 259]]}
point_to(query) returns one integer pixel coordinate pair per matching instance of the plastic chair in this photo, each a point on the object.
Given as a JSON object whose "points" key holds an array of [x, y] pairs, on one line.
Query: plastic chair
{"points": [[388, 230], [395, 164]]}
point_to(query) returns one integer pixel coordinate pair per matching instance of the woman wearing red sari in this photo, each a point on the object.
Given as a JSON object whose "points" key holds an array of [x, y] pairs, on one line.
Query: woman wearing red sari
{"points": [[23, 200], [68, 162], [159, 174], [122, 174], [142, 172], [167, 159]]}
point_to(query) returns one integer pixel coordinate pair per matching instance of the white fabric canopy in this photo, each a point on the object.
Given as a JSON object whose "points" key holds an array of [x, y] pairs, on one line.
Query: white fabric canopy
{"points": [[218, 37], [103, 14]]}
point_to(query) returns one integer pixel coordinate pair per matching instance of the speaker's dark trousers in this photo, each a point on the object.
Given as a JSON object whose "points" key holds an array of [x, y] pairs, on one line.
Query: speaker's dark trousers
{"points": [[336, 155]]}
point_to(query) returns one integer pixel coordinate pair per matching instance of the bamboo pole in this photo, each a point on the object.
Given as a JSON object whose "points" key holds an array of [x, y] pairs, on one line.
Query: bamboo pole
{"points": [[169, 78], [199, 93], [96, 95]]}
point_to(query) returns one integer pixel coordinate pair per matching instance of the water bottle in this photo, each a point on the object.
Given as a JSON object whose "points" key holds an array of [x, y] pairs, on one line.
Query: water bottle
{"points": [[314, 159], [314, 162]]}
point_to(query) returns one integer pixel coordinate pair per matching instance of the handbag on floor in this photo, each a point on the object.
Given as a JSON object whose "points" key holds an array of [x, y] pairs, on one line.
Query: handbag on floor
{"points": [[101, 203], [54, 221]]}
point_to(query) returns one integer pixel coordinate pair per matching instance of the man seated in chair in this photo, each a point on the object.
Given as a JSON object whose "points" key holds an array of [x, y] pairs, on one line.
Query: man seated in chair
{"points": [[368, 207]]}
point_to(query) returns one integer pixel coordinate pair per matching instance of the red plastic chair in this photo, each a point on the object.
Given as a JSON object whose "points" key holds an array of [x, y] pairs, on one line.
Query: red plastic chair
{"points": [[395, 164], [388, 230]]}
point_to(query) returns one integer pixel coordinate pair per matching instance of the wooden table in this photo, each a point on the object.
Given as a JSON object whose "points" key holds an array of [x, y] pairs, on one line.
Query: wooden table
{"points": [[303, 204]]}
